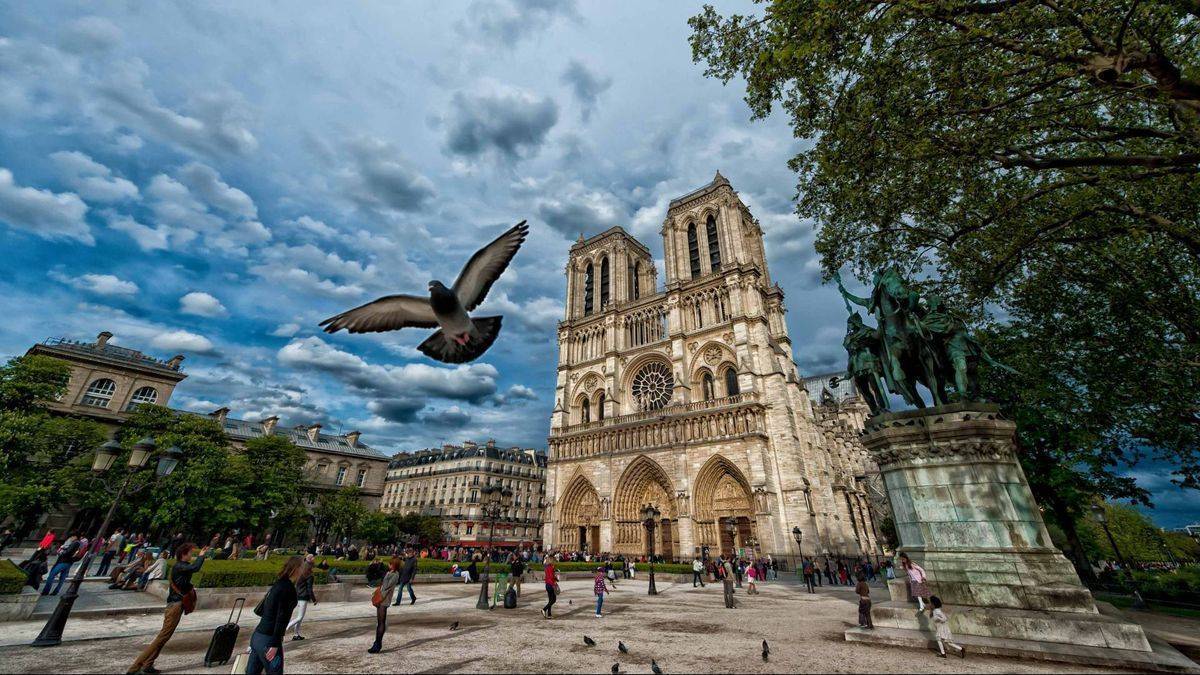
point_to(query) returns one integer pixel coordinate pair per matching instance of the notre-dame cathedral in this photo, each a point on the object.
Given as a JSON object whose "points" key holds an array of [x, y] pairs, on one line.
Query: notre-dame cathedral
{"points": [[685, 397]]}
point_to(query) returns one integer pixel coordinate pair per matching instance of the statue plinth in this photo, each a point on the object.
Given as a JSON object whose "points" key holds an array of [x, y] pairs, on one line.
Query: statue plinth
{"points": [[964, 512]]}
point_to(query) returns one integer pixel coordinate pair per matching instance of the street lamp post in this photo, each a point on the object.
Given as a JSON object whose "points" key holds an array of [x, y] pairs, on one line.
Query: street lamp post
{"points": [[493, 500], [106, 455], [799, 537], [1102, 516], [650, 516]]}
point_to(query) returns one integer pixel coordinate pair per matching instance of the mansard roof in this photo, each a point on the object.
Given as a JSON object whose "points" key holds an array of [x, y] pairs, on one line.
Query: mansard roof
{"points": [[468, 450]]}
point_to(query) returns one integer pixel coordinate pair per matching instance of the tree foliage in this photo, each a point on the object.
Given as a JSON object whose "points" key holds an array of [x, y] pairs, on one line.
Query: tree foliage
{"points": [[1038, 160], [338, 514]]}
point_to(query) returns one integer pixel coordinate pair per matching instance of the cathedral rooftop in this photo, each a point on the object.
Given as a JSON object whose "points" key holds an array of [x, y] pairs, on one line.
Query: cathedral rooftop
{"points": [[614, 231], [717, 181]]}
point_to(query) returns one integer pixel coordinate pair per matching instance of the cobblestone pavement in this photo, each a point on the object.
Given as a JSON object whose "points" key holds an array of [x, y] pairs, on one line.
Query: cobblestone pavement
{"points": [[685, 630]]}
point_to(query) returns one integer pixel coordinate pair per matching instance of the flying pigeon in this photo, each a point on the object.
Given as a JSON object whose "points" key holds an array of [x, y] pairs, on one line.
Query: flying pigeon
{"points": [[654, 667], [589, 641], [621, 646], [766, 650], [460, 337], [454, 626]]}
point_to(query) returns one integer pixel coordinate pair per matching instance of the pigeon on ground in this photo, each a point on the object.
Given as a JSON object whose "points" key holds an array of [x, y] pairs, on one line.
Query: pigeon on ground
{"points": [[766, 650], [616, 668], [621, 646], [589, 641], [454, 626], [654, 667], [461, 338]]}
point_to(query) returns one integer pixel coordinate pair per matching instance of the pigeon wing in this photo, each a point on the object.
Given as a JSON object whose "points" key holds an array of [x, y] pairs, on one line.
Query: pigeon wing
{"points": [[487, 265], [391, 312]]}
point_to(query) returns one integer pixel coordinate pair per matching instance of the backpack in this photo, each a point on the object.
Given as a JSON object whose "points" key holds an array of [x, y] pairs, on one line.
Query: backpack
{"points": [[510, 598]]}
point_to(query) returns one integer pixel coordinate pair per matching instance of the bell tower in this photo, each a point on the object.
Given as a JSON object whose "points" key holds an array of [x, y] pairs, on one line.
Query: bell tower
{"points": [[606, 270], [709, 230]]}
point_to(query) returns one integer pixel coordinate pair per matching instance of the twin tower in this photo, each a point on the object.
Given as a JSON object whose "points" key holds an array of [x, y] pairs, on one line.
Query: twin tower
{"points": [[684, 398]]}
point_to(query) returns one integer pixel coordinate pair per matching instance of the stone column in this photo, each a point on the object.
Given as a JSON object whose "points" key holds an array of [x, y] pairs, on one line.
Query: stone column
{"points": [[964, 512]]}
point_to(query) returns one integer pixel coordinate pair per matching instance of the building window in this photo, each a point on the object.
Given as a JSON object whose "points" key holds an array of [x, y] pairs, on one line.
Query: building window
{"points": [[341, 476], [588, 290], [707, 386], [99, 394], [653, 386], [714, 246], [585, 410], [731, 383], [600, 406], [470, 528], [142, 395], [362, 477], [635, 284], [693, 250], [604, 291]]}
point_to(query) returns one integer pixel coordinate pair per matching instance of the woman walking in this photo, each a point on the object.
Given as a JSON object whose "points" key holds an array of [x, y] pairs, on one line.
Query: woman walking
{"points": [[916, 580], [305, 596], [551, 585], [382, 599], [266, 643]]}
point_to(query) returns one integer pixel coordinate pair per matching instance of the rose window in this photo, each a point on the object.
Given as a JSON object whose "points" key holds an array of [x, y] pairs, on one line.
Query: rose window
{"points": [[652, 386]]}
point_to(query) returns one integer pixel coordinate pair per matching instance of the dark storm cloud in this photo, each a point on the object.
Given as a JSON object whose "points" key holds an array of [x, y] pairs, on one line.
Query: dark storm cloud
{"points": [[381, 178], [451, 418], [401, 410], [586, 85], [512, 123], [573, 218], [509, 21]]}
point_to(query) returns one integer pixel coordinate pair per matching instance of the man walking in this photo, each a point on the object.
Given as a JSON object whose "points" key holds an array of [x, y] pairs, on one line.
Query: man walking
{"points": [[808, 574], [408, 573], [115, 542], [697, 570], [727, 579], [516, 569], [68, 553], [181, 592]]}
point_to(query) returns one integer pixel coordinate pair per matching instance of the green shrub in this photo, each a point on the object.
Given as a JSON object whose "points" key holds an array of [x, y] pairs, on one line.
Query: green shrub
{"points": [[231, 573], [11, 578], [664, 568]]}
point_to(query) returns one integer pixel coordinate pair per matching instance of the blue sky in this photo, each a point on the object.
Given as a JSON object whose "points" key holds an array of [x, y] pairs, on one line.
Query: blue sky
{"points": [[213, 179]]}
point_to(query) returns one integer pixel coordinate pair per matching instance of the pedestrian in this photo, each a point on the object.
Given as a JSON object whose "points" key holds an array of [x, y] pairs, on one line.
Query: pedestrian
{"points": [[266, 642], [751, 579], [181, 599], [408, 573], [739, 568], [941, 629], [381, 599], [816, 574], [305, 595], [808, 574], [68, 553], [551, 579], [599, 588], [916, 580], [864, 603], [115, 542], [697, 570], [473, 570], [727, 576], [516, 570], [34, 568], [889, 571]]}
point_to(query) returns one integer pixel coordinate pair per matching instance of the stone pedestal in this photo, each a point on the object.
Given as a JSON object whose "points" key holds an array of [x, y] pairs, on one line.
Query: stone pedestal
{"points": [[964, 512]]}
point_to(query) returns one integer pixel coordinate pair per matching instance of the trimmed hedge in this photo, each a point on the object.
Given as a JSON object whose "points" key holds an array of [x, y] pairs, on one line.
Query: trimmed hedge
{"points": [[664, 568], [11, 578], [230, 573]]}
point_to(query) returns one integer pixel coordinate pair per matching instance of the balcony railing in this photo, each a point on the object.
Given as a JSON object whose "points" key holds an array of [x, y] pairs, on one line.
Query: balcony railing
{"points": [[665, 411]]}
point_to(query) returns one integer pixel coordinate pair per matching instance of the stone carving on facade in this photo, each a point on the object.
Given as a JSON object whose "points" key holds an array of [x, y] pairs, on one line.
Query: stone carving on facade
{"points": [[605, 508], [713, 355], [973, 450], [762, 501], [681, 504], [727, 336]]}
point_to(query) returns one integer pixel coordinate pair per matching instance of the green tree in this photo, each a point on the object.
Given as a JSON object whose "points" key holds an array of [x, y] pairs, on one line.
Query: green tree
{"points": [[1038, 160], [272, 482], [377, 529], [1137, 537], [43, 457], [338, 514], [427, 529]]}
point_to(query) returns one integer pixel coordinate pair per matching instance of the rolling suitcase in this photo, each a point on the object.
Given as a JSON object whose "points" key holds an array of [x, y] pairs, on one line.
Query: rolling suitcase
{"points": [[220, 650]]}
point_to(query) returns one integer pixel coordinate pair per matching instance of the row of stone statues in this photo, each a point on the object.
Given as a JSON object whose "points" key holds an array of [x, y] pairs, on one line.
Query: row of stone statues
{"points": [[916, 341]]}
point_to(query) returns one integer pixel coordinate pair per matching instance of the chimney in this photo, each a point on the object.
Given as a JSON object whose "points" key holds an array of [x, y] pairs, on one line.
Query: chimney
{"points": [[220, 414], [447, 447], [491, 442], [314, 432], [268, 425], [173, 364], [352, 438], [103, 338], [468, 444]]}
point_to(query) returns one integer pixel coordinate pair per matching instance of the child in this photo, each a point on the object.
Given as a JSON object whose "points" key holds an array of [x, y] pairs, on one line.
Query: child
{"points": [[752, 577], [942, 628], [600, 588], [864, 603], [917, 581]]}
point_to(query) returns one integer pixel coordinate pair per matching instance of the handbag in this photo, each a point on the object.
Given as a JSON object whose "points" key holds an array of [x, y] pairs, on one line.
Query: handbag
{"points": [[188, 600], [377, 597]]}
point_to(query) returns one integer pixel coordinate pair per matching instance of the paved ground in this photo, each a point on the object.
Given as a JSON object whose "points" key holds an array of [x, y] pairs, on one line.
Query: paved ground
{"points": [[686, 630]]}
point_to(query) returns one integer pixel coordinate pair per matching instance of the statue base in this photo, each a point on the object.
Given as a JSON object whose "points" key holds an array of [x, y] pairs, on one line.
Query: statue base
{"points": [[964, 512]]}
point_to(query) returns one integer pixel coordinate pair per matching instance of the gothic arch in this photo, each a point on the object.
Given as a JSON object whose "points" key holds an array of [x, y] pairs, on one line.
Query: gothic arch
{"points": [[703, 357], [644, 482], [722, 494], [580, 514]]}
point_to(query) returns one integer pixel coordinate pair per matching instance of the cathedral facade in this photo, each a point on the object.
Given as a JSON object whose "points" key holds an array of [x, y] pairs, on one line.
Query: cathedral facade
{"points": [[685, 397]]}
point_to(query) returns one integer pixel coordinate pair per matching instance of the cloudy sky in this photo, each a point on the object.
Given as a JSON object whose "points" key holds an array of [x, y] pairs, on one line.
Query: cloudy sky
{"points": [[213, 179]]}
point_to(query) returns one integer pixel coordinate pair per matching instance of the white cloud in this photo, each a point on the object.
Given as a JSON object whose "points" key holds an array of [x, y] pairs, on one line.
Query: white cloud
{"points": [[200, 303], [286, 330], [44, 213], [91, 179], [206, 182], [147, 238], [187, 215], [100, 284], [313, 226], [182, 341]]}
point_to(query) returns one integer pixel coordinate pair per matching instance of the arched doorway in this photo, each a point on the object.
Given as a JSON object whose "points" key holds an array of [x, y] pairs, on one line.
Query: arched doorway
{"points": [[579, 528], [644, 482], [722, 497]]}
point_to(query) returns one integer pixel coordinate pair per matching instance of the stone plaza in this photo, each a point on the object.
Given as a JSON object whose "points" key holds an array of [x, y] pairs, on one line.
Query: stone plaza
{"points": [[683, 629]]}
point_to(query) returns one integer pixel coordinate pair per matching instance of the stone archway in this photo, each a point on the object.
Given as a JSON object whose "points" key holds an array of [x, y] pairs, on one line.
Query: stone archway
{"points": [[644, 482], [722, 495], [579, 518]]}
